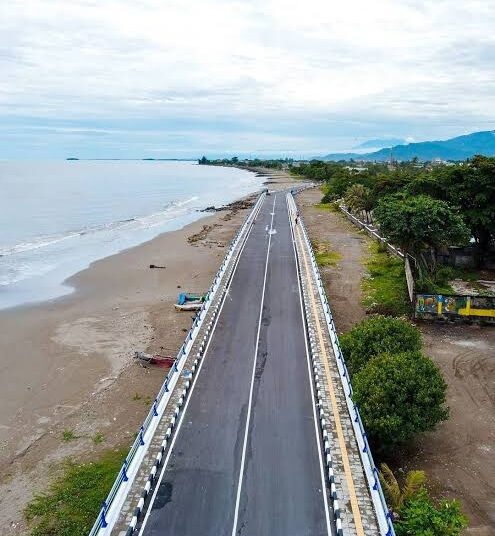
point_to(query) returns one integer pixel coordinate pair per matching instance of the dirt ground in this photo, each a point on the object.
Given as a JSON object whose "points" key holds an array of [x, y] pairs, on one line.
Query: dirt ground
{"points": [[343, 281], [459, 456]]}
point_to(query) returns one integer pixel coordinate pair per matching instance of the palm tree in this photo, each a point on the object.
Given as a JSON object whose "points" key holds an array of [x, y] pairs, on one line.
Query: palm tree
{"points": [[358, 198], [397, 495]]}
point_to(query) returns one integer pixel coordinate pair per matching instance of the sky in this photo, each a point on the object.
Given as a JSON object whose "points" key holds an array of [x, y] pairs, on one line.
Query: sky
{"points": [[183, 78]]}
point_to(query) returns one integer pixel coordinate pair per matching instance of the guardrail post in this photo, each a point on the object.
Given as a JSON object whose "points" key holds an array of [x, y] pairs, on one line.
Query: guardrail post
{"points": [[124, 471], [104, 523], [375, 473]]}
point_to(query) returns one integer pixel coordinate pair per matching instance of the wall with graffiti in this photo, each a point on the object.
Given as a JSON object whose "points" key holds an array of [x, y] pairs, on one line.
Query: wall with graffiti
{"points": [[455, 306]]}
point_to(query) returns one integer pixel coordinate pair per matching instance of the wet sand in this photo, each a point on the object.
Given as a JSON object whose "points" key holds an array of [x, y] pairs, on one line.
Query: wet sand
{"points": [[67, 364]]}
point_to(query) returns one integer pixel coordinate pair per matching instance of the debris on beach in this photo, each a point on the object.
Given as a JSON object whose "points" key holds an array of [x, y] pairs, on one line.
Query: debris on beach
{"points": [[189, 302], [157, 266], [234, 206], [156, 359], [201, 235]]}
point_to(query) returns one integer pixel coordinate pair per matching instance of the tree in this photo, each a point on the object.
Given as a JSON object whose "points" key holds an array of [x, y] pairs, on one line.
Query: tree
{"points": [[421, 517], [472, 188], [418, 224], [358, 198], [395, 494], [377, 335], [399, 396], [338, 184]]}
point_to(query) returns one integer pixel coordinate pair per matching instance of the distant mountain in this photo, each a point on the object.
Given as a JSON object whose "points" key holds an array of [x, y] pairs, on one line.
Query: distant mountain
{"points": [[458, 148], [379, 144]]}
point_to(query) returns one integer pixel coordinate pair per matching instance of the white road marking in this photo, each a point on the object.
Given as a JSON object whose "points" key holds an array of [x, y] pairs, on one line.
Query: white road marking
{"points": [[165, 463], [250, 403], [315, 418]]}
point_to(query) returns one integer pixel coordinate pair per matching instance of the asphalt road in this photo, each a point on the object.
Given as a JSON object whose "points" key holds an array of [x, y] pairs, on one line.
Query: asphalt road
{"points": [[246, 459]]}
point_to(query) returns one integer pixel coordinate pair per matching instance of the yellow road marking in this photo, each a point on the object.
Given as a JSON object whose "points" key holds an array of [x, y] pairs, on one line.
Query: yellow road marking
{"points": [[338, 425]]}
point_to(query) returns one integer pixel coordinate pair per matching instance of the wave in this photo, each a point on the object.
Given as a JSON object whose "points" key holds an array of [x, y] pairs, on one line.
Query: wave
{"points": [[171, 210]]}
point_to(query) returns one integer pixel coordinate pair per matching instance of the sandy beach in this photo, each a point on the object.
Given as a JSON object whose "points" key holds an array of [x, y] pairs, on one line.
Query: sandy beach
{"points": [[67, 364]]}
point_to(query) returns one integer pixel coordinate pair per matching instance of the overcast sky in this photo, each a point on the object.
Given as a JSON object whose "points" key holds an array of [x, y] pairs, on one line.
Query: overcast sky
{"points": [[169, 78]]}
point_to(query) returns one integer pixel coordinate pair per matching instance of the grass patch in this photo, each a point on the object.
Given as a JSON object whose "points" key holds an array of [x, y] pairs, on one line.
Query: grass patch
{"points": [[98, 438], [325, 256], [71, 504], [327, 207], [385, 287], [68, 435], [137, 396]]}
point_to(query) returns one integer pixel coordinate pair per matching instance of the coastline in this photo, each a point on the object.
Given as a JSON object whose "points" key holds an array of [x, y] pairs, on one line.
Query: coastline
{"points": [[67, 364]]}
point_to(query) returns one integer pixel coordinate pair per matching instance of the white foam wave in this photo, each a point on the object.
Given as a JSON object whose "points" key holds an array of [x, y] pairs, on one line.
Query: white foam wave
{"points": [[171, 210]]}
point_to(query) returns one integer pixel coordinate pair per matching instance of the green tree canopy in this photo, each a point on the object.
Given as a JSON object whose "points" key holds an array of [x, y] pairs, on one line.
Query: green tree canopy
{"points": [[421, 517], [472, 188], [358, 197], [377, 335], [399, 396], [419, 223]]}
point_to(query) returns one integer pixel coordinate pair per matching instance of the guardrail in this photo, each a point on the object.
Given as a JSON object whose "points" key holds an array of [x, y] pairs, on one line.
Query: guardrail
{"points": [[372, 232], [384, 516], [115, 499]]}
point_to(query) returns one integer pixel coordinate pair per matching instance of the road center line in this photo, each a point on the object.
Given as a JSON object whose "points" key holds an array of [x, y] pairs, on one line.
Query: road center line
{"points": [[248, 417]]}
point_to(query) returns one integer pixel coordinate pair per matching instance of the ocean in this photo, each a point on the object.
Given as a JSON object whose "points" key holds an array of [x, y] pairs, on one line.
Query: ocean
{"points": [[58, 217]]}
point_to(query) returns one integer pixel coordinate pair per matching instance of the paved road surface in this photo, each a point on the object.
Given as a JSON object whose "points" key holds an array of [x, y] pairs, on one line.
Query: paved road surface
{"points": [[246, 459]]}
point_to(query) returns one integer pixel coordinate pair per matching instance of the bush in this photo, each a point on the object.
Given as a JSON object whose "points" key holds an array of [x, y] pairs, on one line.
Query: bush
{"points": [[420, 517], [385, 286], [70, 506], [399, 395], [377, 335]]}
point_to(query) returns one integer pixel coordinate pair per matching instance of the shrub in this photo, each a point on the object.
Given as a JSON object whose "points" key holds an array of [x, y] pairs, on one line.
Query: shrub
{"points": [[396, 494], [377, 335], [421, 517], [399, 395], [385, 286]]}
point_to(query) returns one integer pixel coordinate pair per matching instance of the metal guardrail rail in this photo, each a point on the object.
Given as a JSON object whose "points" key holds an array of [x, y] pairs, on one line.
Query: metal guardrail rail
{"points": [[372, 232], [111, 506], [383, 514]]}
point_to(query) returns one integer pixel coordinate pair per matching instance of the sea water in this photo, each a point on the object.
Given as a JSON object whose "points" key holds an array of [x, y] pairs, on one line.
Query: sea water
{"points": [[58, 217]]}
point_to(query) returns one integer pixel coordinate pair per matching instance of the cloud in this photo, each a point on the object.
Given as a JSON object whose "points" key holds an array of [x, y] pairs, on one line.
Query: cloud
{"points": [[307, 76]]}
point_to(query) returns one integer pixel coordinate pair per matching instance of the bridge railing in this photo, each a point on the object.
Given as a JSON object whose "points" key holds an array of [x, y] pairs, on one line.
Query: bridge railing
{"points": [[111, 506], [383, 514]]}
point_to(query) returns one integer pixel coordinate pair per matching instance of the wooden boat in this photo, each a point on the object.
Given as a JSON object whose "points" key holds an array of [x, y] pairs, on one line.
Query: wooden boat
{"points": [[156, 359]]}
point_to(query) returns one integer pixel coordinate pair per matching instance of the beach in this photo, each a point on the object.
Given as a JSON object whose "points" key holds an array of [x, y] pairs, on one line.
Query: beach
{"points": [[67, 366]]}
